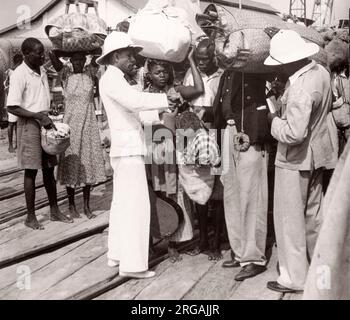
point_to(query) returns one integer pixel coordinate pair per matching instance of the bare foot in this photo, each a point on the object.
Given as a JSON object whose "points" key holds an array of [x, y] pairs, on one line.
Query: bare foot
{"points": [[174, 255], [198, 249], [57, 215], [88, 213], [215, 255], [32, 222], [73, 212], [11, 149]]}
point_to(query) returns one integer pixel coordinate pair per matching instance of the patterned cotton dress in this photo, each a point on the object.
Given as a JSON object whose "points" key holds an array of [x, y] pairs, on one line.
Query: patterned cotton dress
{"points": [[82, 163]]}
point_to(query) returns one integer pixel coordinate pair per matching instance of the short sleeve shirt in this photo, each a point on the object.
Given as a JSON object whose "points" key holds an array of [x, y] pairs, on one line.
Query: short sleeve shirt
{"points": [[211, 85], [29, 90]]}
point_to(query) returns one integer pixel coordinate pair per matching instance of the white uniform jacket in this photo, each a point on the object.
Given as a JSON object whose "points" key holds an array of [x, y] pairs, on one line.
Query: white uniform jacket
{"points": [[122, 103]]}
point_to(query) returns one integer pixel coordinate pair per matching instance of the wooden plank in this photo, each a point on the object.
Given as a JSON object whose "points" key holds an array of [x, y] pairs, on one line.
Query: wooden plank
{"points": [[217, 284], [178, 279], [130, 289], [88, 275], [50, 276], [12, 185], [55, 234], [105, 285], [99, 200], [255, 288], [293, 296], [9, 275]]}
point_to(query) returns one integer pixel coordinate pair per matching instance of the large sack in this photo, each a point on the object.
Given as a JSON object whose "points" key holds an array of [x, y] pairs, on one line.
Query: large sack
{"points": [[236, 29], [162, 31], [337, 52], [76, 32], [198, 182]]}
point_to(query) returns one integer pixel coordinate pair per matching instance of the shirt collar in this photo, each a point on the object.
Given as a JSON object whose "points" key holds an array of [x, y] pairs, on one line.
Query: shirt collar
{"points": [[301, 71], [216, 74], [31, 71]]}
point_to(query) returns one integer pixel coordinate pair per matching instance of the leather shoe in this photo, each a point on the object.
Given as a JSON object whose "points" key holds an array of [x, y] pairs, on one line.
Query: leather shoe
{"points": [[249, 271], [230, 264], [275, 286]]}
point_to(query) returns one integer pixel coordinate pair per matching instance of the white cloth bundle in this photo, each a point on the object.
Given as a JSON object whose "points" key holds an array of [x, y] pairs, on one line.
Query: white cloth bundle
{"points": [[162, 31]]}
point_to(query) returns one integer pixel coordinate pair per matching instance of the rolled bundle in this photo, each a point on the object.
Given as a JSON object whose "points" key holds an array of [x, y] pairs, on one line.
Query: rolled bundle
{"points": [[76, 32], [235, 30]]}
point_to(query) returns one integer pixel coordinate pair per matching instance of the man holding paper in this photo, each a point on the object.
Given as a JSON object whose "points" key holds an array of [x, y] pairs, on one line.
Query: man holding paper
{"points": [[304, 150]]}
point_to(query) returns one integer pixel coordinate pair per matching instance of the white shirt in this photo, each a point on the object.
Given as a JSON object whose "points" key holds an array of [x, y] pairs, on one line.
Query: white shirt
{"points": [[211, 85], [122, 103], [29, 90]]}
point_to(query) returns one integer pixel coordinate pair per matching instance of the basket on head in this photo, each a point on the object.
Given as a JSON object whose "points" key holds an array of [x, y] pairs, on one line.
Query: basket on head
{"points": [[54, 145]]}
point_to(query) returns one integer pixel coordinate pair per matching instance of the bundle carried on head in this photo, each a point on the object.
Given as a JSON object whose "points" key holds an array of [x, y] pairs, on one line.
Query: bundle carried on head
{"points": [[238, 31], [76, 32], [162, 30]]}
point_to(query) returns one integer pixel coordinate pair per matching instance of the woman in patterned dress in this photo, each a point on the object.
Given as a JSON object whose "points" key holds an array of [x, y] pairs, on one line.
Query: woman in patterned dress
{"points": [[82, 164]]}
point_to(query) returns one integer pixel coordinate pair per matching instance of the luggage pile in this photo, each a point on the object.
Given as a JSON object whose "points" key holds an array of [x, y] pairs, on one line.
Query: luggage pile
{"points": [[240, 30]]}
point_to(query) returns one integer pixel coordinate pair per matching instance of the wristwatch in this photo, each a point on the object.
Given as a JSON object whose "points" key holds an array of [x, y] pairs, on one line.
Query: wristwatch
{"points": [[231, 122]]}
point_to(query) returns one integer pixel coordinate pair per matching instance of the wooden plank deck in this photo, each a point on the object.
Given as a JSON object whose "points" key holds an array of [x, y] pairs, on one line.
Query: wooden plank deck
{"points": [[19, 242]]}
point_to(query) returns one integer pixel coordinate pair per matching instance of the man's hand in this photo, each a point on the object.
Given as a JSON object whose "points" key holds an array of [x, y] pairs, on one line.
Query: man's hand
{"points": [[46, 122], [191, 54], [243, 55], [271, 116], [271, 31]]}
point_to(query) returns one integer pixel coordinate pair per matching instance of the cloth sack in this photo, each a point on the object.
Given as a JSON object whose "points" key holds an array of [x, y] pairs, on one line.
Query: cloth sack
{"points": [[162, 31], [76, 32], [341, 107], [198, 182]]}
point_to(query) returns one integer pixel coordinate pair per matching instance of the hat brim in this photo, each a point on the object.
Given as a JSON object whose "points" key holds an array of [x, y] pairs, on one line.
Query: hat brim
{"points": [[309, 49], [103, 61]]}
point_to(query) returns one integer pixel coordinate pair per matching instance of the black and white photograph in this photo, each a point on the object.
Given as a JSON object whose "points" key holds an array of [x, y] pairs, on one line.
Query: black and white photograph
{"points": [[191, 151]]}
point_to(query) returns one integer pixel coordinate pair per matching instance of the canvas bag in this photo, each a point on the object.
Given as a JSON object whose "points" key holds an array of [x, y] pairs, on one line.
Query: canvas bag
{"points": [[341, 108], [162, 31]]}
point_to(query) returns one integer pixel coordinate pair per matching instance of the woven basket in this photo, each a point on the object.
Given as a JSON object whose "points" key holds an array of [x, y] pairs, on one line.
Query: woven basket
{"points": [[244, 29], [76, 32], [54, 146]]}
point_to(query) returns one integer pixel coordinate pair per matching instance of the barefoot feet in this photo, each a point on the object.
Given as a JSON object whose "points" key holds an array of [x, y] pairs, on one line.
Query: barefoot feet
{"points": [[88, 213], [73, 212], [57, 215], [32, 222], [174, 255]]}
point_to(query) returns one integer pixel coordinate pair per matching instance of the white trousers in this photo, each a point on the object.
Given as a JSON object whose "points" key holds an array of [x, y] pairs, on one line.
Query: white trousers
{"points": [[129, 220], [297, 219]]}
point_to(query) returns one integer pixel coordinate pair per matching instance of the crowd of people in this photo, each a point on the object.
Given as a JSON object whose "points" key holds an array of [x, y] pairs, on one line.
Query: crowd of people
{"points": [[216, 135]]}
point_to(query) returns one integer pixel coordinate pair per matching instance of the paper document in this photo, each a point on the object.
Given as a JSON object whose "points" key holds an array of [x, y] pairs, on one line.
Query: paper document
{"points": [[271, 103]]}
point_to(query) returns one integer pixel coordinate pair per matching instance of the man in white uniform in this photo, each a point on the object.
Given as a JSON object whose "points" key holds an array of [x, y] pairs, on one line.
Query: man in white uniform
{"points": [[129, 224]]}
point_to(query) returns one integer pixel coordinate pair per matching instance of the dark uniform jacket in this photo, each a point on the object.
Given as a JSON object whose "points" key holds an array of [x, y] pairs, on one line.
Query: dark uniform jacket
{"points": [[228, 104]]}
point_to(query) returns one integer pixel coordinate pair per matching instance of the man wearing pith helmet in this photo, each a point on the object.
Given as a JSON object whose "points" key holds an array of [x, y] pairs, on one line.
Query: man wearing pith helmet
{"points": [[129, 224], [304, 150]]}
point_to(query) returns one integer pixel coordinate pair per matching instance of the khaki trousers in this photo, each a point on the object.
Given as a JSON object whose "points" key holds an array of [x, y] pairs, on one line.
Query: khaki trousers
{"points": [[297, 219], [245, 201], [129, 220]]}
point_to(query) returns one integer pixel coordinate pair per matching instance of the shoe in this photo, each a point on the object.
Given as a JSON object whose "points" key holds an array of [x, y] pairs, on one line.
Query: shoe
{"points": [[230, 264], [112, 263], [249, 271], [275, 286], [138, 275]]}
